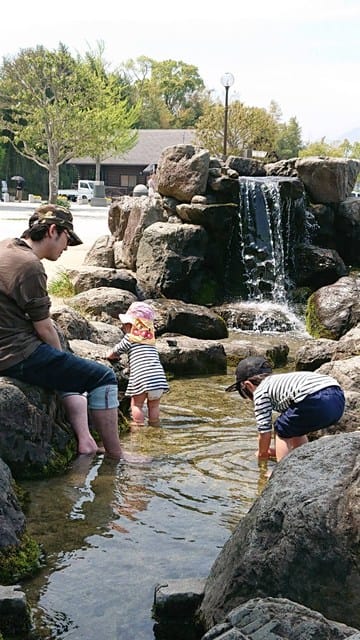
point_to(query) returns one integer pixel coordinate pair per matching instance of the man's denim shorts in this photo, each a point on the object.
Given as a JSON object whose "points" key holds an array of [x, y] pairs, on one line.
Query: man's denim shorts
{"points": [[50, 368], [317, 411]]}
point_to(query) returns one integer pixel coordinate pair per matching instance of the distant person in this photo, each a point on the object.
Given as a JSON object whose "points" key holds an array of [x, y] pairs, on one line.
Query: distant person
{"points": [[306, 400], [30, 348], [147, 380], [19, 189]]}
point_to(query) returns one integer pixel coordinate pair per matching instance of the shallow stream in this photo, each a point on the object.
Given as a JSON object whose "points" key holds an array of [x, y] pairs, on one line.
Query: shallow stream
{"points": [[111, 532]]}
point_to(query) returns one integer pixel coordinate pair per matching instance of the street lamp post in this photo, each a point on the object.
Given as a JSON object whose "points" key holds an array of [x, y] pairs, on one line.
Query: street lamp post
{"points": [[227, 80]]}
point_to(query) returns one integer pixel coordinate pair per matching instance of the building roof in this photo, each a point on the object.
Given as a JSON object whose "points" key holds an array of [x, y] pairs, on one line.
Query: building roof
{"points": [[148, 148]]}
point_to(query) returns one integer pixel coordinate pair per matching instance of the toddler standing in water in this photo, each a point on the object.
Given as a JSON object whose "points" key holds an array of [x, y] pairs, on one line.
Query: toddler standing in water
{"points": [[147, 380]]}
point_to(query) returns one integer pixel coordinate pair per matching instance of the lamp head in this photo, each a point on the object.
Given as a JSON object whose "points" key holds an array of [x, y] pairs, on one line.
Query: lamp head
{"points": [[227, 80]]}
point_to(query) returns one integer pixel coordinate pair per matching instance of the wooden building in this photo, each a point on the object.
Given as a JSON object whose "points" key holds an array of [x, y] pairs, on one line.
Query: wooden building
{"points": [[122, 173]]}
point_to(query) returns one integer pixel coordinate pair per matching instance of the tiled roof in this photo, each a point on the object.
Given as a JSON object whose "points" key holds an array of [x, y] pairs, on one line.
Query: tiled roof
{"points": [[148, 148]]}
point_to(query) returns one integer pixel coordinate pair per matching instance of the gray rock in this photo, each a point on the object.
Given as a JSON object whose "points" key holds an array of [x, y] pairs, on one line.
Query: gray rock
{"points": [[90, 277], [12, 519], [299, 539], [34, 432], [101, 253], [183, 171], [334, 309], [327, 179], [15, 618], [278, 619]]}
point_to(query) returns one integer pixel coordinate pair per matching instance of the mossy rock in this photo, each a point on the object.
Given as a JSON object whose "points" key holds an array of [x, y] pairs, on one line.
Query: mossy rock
{"points": [[314, 326], [19, 562]]}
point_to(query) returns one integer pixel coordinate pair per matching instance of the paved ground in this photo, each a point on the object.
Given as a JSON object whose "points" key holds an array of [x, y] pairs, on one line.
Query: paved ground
{"points": [[89, 223]]}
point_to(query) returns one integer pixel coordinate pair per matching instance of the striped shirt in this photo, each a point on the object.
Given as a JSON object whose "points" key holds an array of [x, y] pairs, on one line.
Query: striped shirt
{"points": [[278, 392], [146, 370]]}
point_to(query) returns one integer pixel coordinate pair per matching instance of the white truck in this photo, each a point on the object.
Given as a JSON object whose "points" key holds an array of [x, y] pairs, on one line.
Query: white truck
{"points": [[85, 189]]}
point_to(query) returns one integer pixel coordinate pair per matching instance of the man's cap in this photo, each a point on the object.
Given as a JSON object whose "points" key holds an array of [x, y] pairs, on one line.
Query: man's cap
{"points": [[249, 367], [52, 214], [137, 310]]}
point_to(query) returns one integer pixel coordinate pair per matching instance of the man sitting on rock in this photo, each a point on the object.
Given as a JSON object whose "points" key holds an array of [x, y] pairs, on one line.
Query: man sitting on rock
{"points": [[30, 348], [306, 400]]}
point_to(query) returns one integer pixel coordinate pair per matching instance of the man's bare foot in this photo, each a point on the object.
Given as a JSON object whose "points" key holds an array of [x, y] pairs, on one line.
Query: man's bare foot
{"points": [[90, 447]]}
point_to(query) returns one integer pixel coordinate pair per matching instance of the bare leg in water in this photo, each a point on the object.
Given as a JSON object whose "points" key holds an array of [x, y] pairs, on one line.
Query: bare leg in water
{"points": [[77, 413], [105, 422]]}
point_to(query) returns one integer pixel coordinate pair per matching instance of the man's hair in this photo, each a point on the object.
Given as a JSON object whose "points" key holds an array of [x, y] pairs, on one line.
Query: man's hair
{"points": [[39, 232]]}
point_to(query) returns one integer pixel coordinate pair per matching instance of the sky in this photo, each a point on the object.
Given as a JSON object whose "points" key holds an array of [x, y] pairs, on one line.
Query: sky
{"points": [[304, 54]]}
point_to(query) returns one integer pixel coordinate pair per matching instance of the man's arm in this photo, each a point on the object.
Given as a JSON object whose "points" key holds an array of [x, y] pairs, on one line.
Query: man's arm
{"points": [[47, 333]]}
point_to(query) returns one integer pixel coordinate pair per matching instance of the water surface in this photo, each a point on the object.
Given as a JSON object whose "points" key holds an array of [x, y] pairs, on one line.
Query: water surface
{"points": [[112, 532]]}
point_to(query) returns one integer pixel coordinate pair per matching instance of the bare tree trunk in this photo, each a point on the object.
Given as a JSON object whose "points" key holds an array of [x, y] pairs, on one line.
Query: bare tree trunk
{"points": [[53, 178], [97, 168]]}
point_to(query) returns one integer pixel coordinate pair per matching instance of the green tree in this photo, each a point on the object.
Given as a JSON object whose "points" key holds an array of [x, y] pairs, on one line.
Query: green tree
{"points": [[288, 141], [112, 121], [248, 127], [48, 103], [336, 149], [172, 93]]}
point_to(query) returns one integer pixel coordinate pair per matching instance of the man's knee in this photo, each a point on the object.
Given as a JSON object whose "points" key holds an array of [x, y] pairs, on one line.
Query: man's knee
{"points": [[104, 397]]}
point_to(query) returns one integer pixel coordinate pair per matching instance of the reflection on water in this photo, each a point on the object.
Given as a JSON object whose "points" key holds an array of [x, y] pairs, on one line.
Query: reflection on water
{"points": [[111, 531]]}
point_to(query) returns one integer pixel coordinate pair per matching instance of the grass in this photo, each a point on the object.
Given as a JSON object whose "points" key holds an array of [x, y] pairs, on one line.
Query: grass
{"points": [[62, 287]]}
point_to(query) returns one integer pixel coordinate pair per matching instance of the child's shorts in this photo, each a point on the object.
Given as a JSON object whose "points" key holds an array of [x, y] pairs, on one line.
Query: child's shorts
{"points": [[155, 394], [317, 411]]}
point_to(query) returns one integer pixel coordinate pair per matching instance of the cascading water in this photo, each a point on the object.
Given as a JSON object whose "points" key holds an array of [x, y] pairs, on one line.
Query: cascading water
{"points": [[272, 222], [269, 223]]}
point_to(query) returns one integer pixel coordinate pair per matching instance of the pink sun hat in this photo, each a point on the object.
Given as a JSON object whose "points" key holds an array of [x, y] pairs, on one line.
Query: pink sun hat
{"points": [[139, 310]]}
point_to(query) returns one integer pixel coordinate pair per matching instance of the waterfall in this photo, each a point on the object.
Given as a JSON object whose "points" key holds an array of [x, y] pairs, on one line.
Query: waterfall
{"points": [[272, 220]]}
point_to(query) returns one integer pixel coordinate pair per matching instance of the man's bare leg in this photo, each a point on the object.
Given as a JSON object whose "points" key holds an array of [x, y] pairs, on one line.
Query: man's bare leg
{"points": [[105, 421], [77, 413]]}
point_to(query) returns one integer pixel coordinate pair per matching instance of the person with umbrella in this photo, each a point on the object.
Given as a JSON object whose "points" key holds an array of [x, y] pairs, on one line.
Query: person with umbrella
{"points": [[19, 187]]}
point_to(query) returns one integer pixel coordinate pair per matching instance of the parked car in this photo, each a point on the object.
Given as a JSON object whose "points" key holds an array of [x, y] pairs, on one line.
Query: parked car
{"points": [[85, 189]]}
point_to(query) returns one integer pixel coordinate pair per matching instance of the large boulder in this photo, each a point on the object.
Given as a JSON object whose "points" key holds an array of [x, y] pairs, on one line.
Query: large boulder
{"points": [[317, 267], [300, 538], [190, 320], [89, 277], [183, 172], [103, 303], [334, 309], [35, 436], [128, 217], [101, 254], [327, 179], [170, 261], [184, 356]]}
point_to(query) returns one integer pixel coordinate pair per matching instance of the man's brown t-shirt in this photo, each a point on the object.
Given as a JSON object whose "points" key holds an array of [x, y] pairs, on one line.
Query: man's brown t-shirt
{"points": [[23, 300]]}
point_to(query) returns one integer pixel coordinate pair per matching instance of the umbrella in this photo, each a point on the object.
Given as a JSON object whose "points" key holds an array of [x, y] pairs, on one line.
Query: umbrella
{"points": [[17, 178]]}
